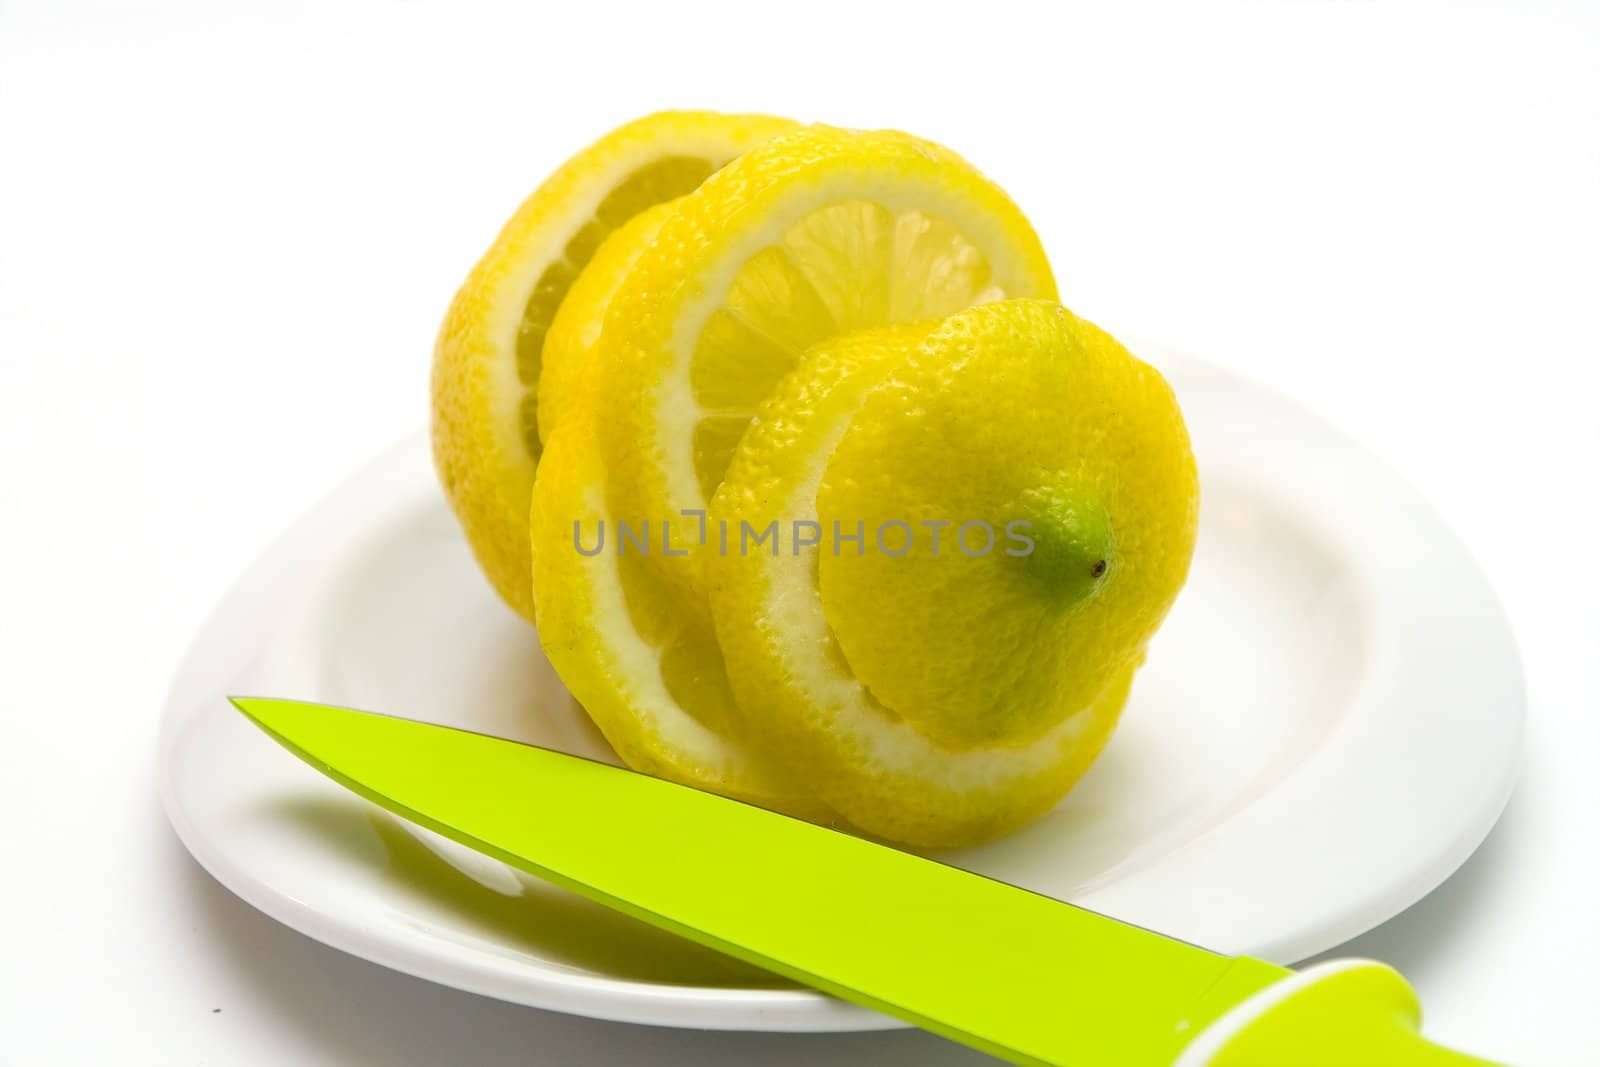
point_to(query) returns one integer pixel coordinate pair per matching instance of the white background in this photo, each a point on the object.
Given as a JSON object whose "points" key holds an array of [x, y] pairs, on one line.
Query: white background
{"points": [[226, 239]]}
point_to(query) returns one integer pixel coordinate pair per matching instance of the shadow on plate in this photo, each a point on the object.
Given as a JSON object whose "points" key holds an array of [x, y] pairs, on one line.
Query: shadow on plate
{"points": [[357, 1013], [457, 895]]}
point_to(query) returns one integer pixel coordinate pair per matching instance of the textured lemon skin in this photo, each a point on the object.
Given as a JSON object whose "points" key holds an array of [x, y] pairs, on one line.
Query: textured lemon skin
{"points": [[588, 633], [657, 314], [797, 694], [1020, 411], [482, 459], [568, 372]]}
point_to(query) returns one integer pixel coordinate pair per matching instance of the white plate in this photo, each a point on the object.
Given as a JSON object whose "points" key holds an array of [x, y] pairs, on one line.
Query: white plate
{"points": [[1328, 725]]}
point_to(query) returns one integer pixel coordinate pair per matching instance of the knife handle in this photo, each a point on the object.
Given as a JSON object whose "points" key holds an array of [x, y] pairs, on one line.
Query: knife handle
{"points": [[1336, 1014]]}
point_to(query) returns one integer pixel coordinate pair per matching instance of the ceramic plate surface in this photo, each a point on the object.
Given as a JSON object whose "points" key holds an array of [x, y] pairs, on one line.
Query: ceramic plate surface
{"points": [[1328, 725]]}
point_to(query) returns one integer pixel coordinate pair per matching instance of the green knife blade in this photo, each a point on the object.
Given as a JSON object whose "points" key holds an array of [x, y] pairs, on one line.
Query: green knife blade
{"points": [[1018, 975]]}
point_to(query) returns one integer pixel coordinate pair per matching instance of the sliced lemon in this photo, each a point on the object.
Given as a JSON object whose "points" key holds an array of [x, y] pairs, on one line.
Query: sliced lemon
{"points": [[816, 233], [488, 356], [902, 681]]}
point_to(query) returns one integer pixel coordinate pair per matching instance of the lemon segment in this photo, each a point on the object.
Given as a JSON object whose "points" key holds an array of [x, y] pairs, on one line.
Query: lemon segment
{"points": [[490, 352], [816, 233], [1063, 469]]}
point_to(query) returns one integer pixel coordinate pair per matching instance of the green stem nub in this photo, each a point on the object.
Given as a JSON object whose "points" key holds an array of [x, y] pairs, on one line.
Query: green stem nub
{"points": [[1073, 552]]}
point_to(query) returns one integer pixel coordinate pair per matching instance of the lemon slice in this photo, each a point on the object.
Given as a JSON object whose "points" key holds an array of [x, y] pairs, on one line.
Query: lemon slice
{"points": [[814, 234], [644, 664], [489, 353], [1063, 469], [568, 369], [639, 656], [975, 413]]}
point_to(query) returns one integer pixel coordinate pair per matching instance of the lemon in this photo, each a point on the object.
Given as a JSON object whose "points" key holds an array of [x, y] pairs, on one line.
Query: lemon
{"points": [[816, 233], [816, 497], [943, 696], [488, 357]]}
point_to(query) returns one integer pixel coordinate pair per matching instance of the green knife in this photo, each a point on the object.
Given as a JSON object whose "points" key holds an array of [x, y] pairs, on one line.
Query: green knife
{"points": [[1021, 976]]}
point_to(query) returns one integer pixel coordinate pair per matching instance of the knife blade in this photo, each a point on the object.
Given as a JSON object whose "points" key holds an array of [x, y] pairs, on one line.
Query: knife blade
{"points": [[1021, 976]]}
